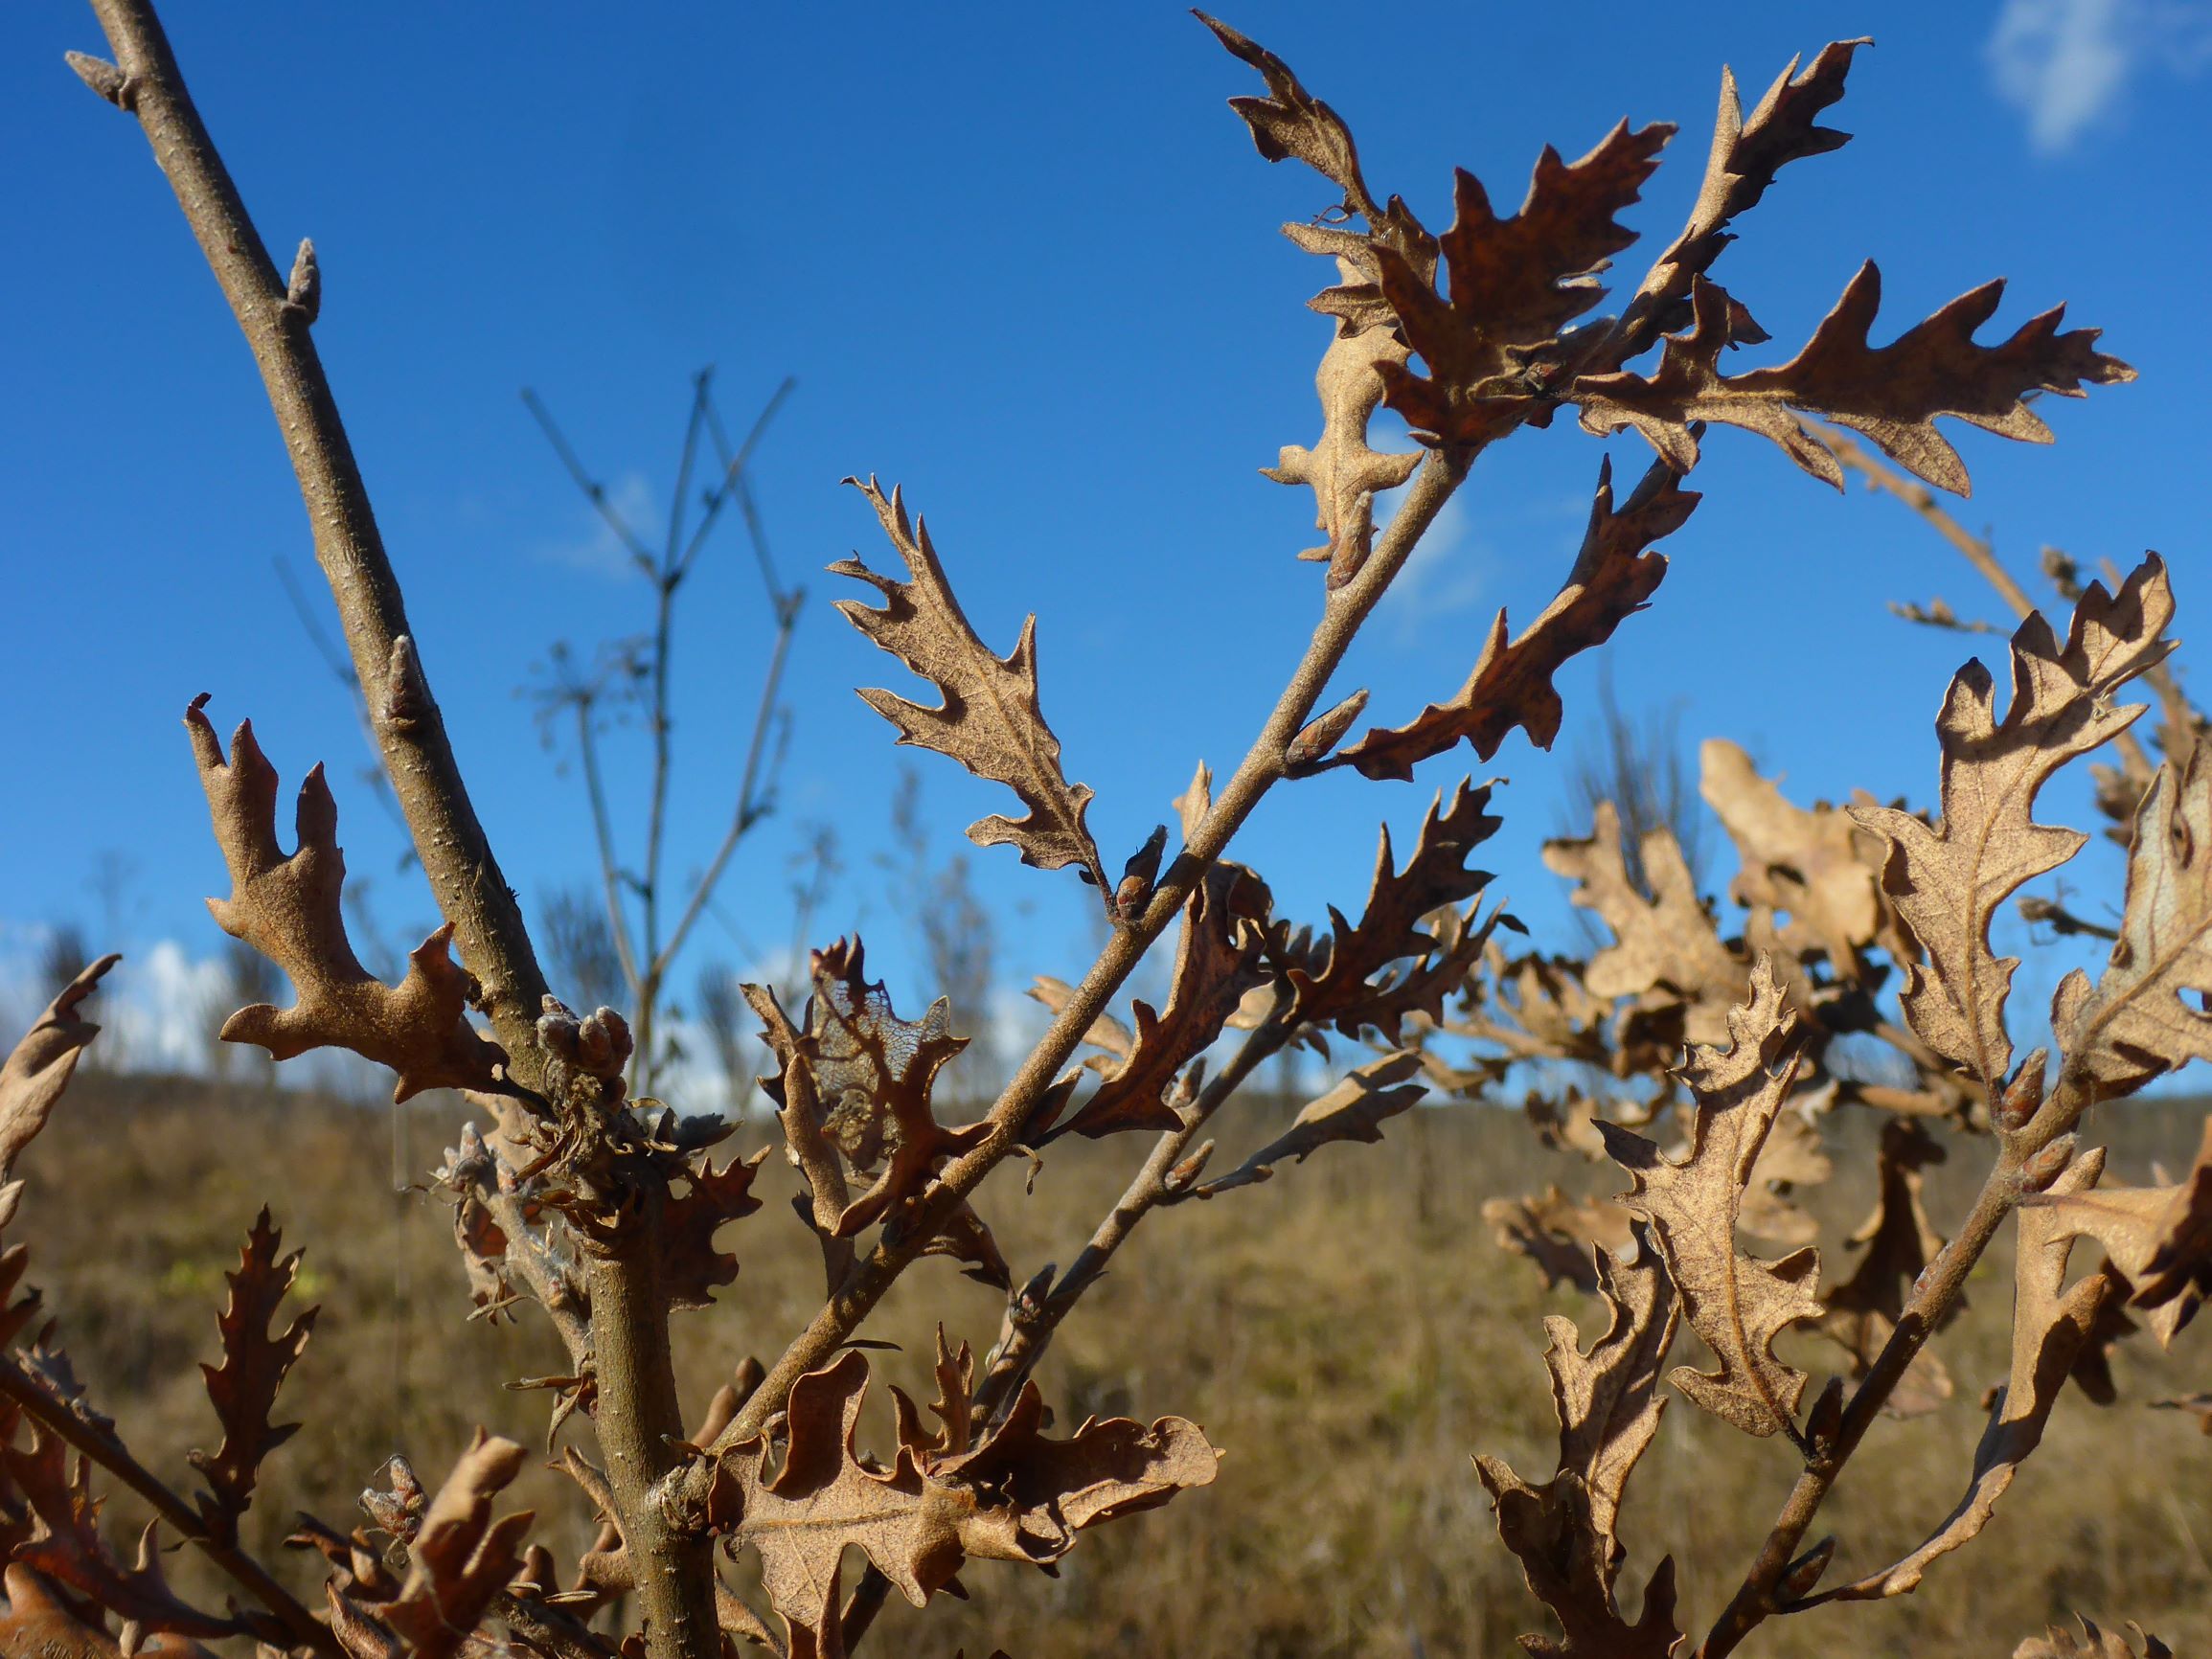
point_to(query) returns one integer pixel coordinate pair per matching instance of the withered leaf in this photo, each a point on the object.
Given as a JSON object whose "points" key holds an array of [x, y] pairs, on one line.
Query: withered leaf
{"points": [[290, 910], [1217, 960], [34, 1624], [1343, 472], [691, 1269], [1806, 863], [1892, 394], [1899, 1241], [255, 1363], [2050, 1324], [1511, 285], [1107, 1034], [2144, 1016], [1746, 155], [1735, 1302], [1947, 881], [1558, 1234], [39, 1067], [1353, 1110], [2159, 1238], [1015, 1496], [990, 721], [459, 1559], [1614, 574], [1792, 1157], [1335, 984], [1565, 1531], [2059, 1643]]}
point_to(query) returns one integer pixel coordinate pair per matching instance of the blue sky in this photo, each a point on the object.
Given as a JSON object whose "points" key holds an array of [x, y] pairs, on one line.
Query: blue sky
{"points": [[1025, 263]]}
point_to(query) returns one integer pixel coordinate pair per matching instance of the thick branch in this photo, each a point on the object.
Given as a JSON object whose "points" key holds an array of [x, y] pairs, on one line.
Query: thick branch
{"points": [[472, 892]]}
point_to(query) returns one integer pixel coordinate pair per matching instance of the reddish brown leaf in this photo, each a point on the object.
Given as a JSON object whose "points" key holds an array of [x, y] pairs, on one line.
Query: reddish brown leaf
{"points": [[1511, 685], [460, 1559], [990, 721], [243, 1388], [1892, 394], [288, 908], [691, 1269]]}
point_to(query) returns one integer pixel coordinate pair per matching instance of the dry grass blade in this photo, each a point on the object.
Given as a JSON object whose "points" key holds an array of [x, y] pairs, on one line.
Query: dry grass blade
{"points": [[243, 1388], [1565, 1531], [1736, 1303], [1892, 394], [290, 909], [990, 721], [2144, 1016], [1355, 1109], [2050, 1324], [1614, 574], [1947, 880]]}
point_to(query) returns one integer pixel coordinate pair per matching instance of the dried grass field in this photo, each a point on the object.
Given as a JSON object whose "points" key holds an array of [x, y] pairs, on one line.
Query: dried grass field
{"points": [[1350, 1349]]}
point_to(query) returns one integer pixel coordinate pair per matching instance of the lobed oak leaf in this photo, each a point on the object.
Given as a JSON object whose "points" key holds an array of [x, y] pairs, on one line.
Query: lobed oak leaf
{"points": [[38, 1069], [1814, 865], [1562, 1236], [1218, 958], [691, 1269], [1947, 880], [1353, 1110], [1747, 153], [288, 908], [1792, 1157], [1899, 1241], [1737, 1304], [255, 1363], [1014, 1497], [990, 721], [1335, 984], [1614, 574], [2059, 1643], [1893, 394], [1564, 1532], [2159, 1239], [2144, 1015], [2050, 1325]]}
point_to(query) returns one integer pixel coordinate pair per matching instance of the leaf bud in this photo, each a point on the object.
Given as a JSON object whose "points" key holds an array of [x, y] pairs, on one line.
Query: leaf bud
{"points": [[2023, 1096]]}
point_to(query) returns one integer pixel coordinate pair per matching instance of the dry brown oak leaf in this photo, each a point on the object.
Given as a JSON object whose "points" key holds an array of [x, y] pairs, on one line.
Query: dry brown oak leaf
{"points": [[1948, 879], [1614, 574], [1608, 1406], [256, 1359], [1560, 1234], [1015, 1496], [1218, 958], [2059, 1643], [2159, 1238], [34, 1624], [990, 721], [1335, 985], [1355, 1109], [2144, 1016], [460, 1559], [1816, 866], [1899, 1241], [1892, 394], [1665, 948], [1735, 1302], [38, 1069], [290, 910], [691, 1269], [2051, 1323]]}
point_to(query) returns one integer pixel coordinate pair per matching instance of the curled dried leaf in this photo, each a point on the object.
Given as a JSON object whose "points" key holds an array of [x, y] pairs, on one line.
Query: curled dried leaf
{"points": [[2059, 1643], [2159, 1238], [255, 1363], [39, 1067], [289, 908], [990, 721], [459, 1559], [1558, 1234], [1353, 1110]]}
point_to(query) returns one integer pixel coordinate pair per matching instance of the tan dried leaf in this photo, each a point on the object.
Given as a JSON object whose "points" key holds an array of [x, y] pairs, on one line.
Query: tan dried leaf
{"points": [[1899, 1241], [1817, 866], [1107, 1034], [2050, 1324], [2145, 1015], [1558, 1234], [2159, 1238], [1947, 880], [460, 1557], [289, 908], [1737, 1304], [1565, 1531], [1015, 1496], [2059, 1643], [1355, 1109], [255, 1363], [39, 1067], [1892, 394], [1343, 472], [990, 721], [1792, 1157], [1614, 574], [1217, 960]]}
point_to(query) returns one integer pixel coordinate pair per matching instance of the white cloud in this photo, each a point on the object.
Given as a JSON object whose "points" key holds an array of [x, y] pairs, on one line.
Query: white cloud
{"points": [[2067, 64], [600, 551]]}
